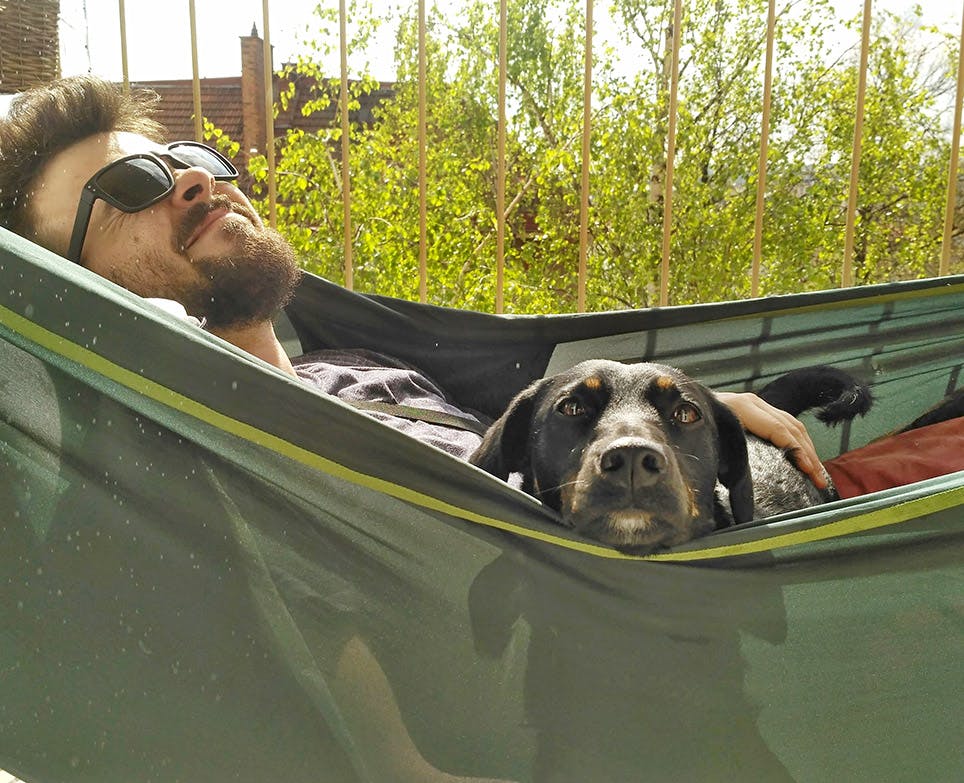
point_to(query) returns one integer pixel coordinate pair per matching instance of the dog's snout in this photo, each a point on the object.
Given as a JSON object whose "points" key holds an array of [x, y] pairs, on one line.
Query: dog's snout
{"points": [[633, 463]]}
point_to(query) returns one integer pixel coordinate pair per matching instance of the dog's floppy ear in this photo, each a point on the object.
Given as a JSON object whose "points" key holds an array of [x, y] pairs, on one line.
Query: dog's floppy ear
{"points": [[504, 449], [734, 467]]}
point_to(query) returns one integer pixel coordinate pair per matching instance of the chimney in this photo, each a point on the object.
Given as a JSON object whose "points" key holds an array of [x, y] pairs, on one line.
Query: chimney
{"points": [[252, 93]]}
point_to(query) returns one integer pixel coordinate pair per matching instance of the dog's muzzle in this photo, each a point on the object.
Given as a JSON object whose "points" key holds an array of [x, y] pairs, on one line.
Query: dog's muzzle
{"points": [[632, 463]]}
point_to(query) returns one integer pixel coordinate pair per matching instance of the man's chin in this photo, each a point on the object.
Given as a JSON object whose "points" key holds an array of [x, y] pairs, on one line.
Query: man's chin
{"points": [[247, 286]]}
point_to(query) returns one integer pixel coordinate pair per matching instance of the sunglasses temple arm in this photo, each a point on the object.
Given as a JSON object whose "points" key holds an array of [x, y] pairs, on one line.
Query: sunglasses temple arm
{"points": [[81, 222]]}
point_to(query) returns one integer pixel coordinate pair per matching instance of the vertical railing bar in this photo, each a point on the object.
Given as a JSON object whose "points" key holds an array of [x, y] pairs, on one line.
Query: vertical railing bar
{"points": [[195, 76], [500, 160], [951, 207], [847, 276], [670, 156], [122, 15], [422, 158], [345, 130], [269, 118], [584, 182], [761, 183]]}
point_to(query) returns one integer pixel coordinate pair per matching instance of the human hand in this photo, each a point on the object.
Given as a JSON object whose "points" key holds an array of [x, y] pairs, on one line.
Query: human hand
{"points": [[780, 428]]}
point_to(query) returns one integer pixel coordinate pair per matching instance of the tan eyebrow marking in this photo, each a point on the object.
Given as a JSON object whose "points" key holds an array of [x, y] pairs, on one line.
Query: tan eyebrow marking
{"points": [[665, 382], [691, 497], [592, 383]]}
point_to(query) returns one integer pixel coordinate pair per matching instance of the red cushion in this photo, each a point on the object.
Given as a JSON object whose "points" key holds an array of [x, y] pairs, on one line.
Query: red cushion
{"points": [[900, 459]]}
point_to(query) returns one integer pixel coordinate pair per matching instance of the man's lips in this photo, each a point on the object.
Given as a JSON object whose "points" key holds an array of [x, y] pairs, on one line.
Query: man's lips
{"points": [[210, 219]]}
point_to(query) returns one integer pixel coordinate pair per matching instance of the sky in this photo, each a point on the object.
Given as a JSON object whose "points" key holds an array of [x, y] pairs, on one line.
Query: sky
{"points": [[159, 40]]}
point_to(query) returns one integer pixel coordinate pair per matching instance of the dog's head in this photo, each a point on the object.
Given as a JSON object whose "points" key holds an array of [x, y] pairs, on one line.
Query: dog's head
{"points": [[629, 454]]}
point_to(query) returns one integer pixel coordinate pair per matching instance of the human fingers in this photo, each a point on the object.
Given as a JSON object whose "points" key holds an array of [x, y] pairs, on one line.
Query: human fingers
{"points": [[780, 428]]}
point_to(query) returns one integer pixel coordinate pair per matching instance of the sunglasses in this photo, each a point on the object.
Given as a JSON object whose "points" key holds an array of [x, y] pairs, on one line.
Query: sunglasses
{"points": [[135, 182]]}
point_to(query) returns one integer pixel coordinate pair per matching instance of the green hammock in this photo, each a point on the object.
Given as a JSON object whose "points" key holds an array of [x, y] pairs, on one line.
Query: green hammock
{"points": [[212, 573]]}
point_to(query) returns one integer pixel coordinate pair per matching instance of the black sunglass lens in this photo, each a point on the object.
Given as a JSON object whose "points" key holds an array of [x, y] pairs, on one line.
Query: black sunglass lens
{"points": [[190, 155], [135, 183]]}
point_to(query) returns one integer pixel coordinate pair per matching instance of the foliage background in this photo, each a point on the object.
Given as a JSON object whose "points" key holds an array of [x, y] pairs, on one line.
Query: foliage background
{"points": [[903, 172]]}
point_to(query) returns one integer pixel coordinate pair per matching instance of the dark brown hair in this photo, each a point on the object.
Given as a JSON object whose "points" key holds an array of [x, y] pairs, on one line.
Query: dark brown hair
{"points": [[45, 120]]}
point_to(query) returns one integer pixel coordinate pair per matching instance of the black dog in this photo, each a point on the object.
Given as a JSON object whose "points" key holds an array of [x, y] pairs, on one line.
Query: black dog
{"points": [[634, 455]]}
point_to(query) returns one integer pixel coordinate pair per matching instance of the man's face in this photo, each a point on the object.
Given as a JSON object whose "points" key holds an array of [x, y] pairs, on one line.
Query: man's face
{"points": [[203, 246]]}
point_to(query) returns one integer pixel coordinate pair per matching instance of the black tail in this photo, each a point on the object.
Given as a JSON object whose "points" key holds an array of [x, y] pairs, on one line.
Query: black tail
{"points": [[838, 394], [951, 407]]}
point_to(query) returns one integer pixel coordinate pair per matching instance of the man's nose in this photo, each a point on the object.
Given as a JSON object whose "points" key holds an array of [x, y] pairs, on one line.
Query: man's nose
{"points": [[192, 186]]}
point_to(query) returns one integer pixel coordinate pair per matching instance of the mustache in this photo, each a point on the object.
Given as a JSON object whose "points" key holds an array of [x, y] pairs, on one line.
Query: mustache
{"points": [[196, 215]]}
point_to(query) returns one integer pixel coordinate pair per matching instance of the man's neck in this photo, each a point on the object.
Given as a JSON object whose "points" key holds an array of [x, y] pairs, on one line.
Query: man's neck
{"points": [[260, 340]]}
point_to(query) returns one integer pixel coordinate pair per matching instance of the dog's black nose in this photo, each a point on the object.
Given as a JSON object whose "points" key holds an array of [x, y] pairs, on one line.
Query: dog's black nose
{"points": [[634, 464]]}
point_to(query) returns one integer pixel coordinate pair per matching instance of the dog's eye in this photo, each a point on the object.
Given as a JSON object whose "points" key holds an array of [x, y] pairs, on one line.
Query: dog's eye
{"points": [[686, 413], [570, 406]]}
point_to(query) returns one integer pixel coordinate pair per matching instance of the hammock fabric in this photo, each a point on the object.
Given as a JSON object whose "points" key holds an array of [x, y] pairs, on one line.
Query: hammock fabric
{"points": [[210, 572]]}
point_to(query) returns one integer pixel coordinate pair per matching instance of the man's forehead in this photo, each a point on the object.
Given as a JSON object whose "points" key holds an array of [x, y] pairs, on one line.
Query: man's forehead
{"points": [[68, 170], [128, 143], [99, 150]]}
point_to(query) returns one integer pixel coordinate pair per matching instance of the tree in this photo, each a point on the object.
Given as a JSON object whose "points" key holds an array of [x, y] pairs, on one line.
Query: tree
{"points": [[902, 175]]}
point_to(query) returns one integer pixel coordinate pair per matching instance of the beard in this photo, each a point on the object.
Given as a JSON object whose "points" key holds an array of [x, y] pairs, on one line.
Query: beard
{"points": [[248, 285]]}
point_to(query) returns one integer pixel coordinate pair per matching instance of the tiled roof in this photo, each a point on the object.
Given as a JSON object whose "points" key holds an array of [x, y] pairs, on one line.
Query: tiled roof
{"points": [[327, 117], [221, 104]]}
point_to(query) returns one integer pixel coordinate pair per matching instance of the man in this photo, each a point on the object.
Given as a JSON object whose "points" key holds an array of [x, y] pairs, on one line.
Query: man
{"points": [[69, 150], [199, 242]]}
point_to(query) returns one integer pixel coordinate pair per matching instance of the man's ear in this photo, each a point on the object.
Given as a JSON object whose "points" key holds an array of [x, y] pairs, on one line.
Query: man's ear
{"points": [[734, 468], [505, 447]]}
